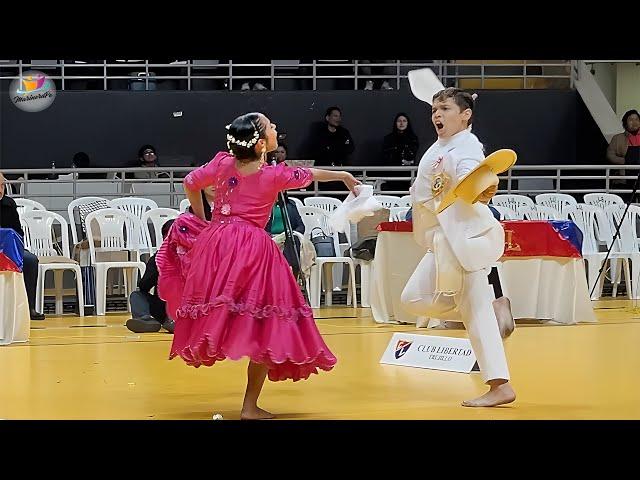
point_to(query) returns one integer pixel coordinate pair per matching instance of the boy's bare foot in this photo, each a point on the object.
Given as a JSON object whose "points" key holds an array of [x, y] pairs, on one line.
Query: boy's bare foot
{"points": [[506, 324], [497, 395]]}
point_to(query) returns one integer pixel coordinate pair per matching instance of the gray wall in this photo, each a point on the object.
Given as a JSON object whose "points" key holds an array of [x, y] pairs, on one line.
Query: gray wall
{"points": [[543, 126]]}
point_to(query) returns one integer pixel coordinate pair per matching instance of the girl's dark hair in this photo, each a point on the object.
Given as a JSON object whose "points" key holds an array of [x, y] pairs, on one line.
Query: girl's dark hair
{"points": [[243, 134], [463, 99], [626, 116], [408, 130]]}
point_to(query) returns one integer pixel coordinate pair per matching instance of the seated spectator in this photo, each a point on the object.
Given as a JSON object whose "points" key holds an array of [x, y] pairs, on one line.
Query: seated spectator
{"points": [[148, 158], [275, 227], [276, 224], [366, 70], [148, 311], [256, 70], [9, 218], [81, 160], [281, 153]]}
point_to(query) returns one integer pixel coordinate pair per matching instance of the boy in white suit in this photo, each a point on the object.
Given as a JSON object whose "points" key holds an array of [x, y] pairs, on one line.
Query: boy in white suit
{"points": [[463, 239]]}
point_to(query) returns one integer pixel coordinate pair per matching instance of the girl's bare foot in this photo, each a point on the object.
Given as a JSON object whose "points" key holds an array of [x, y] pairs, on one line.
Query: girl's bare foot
{"points": [[255, 413]]}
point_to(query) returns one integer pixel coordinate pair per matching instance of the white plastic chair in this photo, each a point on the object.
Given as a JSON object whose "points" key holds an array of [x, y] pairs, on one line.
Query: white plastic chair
{"points": [[506, 213], [328, 205], [405, 201], [159, 191], [297, 201], [26, 205], [39, 240], [603, 226], [388, 201], [315, 217], [158, 217], [512, 202], [137, 206], [584, 216], [603, 200], [397, 214], [75, 206], [625, 247], [539, 212], [184, 205], [114, 225], [557, 201]]}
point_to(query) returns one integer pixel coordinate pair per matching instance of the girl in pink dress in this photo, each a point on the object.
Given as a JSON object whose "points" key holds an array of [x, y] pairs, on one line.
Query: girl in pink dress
{"points": [[226, 283]]}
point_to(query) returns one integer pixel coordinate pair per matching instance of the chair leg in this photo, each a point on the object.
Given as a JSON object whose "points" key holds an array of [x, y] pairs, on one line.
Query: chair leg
{"points": [[40, 290], [336, 275], [130, 274], [615, 276], [365, 272], [328, 284], [315, 286], [627, 278], [308, 283], [635, 276], [101, 288], [352, 283], [79, 290], [110, 283], [593, 267], [58, 277]]}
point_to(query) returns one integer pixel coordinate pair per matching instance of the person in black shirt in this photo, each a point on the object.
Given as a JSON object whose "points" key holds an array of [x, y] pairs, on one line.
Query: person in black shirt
{"points": [[148, 311], [9, 218], [332, 144]]}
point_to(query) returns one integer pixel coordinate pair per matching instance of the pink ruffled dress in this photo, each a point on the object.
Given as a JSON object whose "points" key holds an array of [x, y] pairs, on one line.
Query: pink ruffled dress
{"points": [[227, 284]]}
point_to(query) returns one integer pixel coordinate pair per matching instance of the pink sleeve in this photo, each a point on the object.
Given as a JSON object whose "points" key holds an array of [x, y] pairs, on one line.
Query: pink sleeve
{"points": [[288, 178], [205, 175]]}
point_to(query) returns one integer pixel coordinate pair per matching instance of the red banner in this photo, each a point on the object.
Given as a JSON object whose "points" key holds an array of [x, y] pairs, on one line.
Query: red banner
{"points": [[537, 238], [523, 238]]}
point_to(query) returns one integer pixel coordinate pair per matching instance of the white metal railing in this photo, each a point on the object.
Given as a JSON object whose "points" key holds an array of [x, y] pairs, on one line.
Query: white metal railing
{"points": [[523, 179], [139, 73]]}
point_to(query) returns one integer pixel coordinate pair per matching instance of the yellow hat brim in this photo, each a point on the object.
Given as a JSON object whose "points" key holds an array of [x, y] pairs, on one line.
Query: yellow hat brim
{"points": [[498, 162]]}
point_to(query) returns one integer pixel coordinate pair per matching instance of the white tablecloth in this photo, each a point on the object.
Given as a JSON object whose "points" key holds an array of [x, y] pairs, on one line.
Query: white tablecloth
{"points": [[14, 309], [546, 288]]}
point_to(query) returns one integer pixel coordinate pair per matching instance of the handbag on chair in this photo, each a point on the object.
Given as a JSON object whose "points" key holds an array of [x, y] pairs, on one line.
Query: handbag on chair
{"points": [[323, 244]]}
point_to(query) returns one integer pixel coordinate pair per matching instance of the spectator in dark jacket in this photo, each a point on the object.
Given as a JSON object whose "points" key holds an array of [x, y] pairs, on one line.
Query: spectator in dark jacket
{"points": [[148, 311], [332, 144], [399, 149]]}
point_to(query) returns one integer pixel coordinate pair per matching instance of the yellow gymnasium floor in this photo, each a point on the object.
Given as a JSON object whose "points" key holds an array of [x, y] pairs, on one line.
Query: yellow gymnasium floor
{"points": [[94, 368]]}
